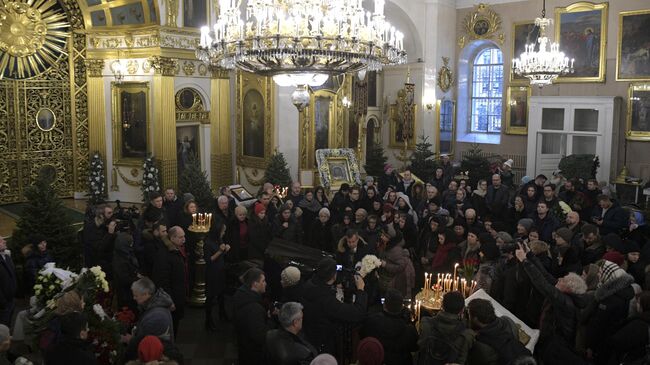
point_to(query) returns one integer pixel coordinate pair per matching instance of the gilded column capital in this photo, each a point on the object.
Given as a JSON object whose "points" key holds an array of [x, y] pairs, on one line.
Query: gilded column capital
{"points": [[165, 66], [219, 72], [94, 67]]}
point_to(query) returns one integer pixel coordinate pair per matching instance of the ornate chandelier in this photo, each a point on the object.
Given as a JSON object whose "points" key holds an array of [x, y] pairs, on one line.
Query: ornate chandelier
{"points": [[543, 65], [301, 42]]}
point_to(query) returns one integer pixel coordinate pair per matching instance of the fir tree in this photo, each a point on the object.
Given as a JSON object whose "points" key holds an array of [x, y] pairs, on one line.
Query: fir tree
{"points": [[150, 178], [194, 180], [477, 165], [375, 161], [423, 164], [45, 214], [96, 180], [277, 171]]}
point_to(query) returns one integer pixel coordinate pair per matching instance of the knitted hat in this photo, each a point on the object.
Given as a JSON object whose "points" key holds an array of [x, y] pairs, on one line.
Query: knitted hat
{"points": [[615, 257], [565, 234], [630, 246], [509, 163], [259, 208], [370, 352], [324, 359], [290, 276], [526, 223], [453, 302], [610, 271], [150, 349], [325, 269]]}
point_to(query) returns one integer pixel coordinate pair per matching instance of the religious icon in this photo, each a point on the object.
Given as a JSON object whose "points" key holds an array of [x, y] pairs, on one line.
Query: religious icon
{"points": [[253, 124], [45, 119], [634, 46]]}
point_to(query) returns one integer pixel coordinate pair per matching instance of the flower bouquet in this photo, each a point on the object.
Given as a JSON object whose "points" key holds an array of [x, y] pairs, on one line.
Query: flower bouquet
{"points": [[46, 288], [368, 264], [469, 268]]}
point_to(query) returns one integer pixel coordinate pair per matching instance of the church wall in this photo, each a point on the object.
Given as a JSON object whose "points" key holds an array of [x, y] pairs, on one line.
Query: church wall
{"points": [[637, 160]]}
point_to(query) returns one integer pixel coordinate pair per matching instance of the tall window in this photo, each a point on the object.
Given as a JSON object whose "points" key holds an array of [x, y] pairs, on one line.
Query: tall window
{"points": [[487, 91]]}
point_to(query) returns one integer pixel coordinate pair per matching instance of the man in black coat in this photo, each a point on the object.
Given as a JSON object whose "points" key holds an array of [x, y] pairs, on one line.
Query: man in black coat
{"points": [[170, 272], [98, 237], [72, 347], [286, 345], [324, 313], [393, 329], [497, 197], [173, 206], [610, 217], [7, 284], [546, 223], [251, 318]]}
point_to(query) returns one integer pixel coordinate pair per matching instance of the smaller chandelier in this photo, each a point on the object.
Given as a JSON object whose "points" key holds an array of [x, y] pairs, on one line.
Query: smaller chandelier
{"points": [[544, 65]]}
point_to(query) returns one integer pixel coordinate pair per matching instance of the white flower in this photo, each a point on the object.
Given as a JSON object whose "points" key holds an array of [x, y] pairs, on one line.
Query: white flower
{"points": [[97, 308], [150, 176], [368, 264]]}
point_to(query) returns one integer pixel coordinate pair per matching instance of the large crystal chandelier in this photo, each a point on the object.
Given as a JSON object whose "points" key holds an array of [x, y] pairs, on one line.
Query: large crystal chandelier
{"points": [[301, 42], [542, 66]]}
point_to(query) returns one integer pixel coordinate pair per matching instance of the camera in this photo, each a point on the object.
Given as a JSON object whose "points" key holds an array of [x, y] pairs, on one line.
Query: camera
{"points": [[125, 218]]}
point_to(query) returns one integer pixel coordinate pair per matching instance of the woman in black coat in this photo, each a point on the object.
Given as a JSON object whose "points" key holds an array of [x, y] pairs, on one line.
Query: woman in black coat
{"points": [[319, 234], [259, 233], [215, 278], [285, 226], [125, 270]]}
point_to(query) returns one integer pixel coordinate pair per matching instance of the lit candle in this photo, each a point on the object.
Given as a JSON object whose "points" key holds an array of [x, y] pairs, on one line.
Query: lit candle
{"points": [[455, 270], [193, 219]]}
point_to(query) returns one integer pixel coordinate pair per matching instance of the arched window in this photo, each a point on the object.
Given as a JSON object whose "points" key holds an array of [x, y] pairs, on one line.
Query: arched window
{"points": [[487, 91]]}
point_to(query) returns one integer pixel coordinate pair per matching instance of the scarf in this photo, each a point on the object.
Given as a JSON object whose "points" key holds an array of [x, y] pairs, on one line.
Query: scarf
{"points": [[312, 206]]}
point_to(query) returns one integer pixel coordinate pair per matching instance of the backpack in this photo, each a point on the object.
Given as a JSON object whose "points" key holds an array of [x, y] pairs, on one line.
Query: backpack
{"points": [[439, 349]]}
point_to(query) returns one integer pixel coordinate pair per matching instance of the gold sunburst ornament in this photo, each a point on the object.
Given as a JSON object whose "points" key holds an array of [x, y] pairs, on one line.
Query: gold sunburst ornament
{"points": [[33, 35]]}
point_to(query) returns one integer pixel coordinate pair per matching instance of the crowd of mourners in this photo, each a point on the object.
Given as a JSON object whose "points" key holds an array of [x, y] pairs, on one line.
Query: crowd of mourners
{"points": [[561, 255]]}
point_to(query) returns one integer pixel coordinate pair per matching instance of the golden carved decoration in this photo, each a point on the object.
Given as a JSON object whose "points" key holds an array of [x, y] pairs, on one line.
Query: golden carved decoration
{"points": [[146, 66], [163, 65], [188, 68], [126, 179], [32, 37], [188, 99], [135, 172], [252, 180], [445, 76], [482, 23], [219, 73], [94, 67], [128, 40], [203, 69], [172, 12], [132, 67]]}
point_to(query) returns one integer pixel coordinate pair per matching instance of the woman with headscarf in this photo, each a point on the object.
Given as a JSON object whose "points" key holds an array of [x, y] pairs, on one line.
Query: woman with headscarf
{"points": [[310, 208], [321, 197], [447, 254], [404, 205], [285, 226], [37, 256], [319, 234], [339, 229], [369, 198], [396, 270], [478, 198]]}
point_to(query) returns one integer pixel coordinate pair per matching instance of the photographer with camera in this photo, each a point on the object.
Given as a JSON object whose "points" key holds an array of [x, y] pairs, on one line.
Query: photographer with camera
{"points": [[325, 315], [350, 250], [98, 238], [393, 328]]}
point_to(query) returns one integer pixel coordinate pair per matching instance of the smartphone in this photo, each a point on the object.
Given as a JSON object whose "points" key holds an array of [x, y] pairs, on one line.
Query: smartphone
{"points": [[339, 267]]}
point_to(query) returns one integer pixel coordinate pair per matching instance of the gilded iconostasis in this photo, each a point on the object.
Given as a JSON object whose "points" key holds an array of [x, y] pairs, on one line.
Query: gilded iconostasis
{"points": [[122, 78]]}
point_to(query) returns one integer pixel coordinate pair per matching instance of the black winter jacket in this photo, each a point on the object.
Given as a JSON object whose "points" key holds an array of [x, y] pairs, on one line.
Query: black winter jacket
{"points": [[396, 334], [170, 274], [70, 351], [285, 348], [324, 313], [250, 325]]}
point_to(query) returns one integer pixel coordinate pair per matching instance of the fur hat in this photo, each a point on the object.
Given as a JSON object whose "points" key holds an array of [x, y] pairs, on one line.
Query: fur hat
{"points": [[370, 352], [290, 276]]}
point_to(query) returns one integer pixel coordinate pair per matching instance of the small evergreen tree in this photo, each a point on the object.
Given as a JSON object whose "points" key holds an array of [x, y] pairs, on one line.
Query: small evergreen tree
{"points": [[45, 214], [476, 165], [194, 180], [375, 161], [277, 171], [150, 178], [96, 180], [423, 164]]}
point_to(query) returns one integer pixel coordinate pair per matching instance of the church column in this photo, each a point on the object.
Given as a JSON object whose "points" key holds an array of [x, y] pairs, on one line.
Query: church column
{"points": [[96, 108], [221, 150], [164, 118]]}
